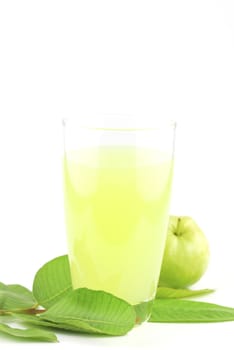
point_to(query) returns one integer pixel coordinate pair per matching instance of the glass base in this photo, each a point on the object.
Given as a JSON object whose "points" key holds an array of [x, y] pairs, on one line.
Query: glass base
{"points": [[143, 311]]}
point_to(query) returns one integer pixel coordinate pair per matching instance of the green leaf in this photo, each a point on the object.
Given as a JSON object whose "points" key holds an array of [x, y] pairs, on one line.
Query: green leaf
{"points": [[29, 333], [52, 281], [37, 321], [173, 310], [172, 293], [15, 298], [69, 325], [92, 311]]}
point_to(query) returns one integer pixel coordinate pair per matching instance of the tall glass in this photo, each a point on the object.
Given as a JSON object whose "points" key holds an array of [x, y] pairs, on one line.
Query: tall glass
{"points": [[117, 184]]}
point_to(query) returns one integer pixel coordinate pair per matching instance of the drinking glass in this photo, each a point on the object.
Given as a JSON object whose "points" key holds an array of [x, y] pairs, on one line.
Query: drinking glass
{"points": [[117, 186]]}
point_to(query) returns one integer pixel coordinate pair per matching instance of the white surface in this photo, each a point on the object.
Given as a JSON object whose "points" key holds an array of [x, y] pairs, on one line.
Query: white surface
{"points": [[150, 336], [171, 59]]}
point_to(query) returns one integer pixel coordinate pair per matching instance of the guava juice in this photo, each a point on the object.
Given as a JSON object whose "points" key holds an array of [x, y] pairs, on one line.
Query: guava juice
{"points": [[116, 208]]}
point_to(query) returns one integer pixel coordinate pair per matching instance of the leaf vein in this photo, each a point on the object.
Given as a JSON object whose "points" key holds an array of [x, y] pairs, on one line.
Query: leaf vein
{"points": [[57, 295]]}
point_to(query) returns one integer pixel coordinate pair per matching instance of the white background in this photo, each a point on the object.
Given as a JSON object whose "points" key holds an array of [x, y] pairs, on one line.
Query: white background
{"points": [[172, 59]]}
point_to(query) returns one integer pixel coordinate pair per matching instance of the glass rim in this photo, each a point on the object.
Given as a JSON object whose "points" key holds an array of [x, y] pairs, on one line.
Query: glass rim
{"points": [[119, 123]]}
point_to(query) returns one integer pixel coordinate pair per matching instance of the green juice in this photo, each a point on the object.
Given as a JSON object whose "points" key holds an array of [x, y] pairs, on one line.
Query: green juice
{"points": [[116, 207]]}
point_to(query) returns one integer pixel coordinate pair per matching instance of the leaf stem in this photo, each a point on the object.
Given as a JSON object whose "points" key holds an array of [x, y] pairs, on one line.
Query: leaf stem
{"points": [[34, 311], [27, 312]]}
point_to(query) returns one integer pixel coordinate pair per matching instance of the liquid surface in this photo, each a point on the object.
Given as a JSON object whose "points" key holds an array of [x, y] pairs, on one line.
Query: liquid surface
{"points": [[116, 206]]}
